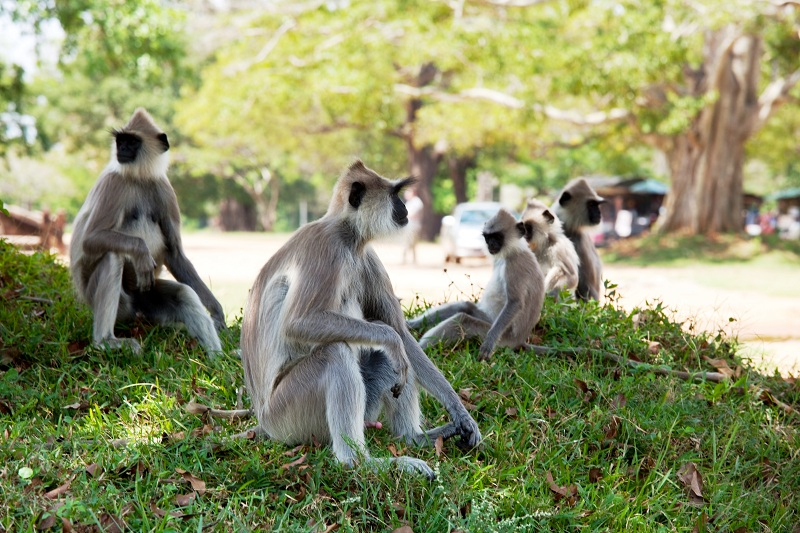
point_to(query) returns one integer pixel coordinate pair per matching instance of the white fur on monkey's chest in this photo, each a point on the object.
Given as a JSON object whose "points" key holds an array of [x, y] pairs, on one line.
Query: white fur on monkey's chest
{"points": [[149, 231], [494, 296]]}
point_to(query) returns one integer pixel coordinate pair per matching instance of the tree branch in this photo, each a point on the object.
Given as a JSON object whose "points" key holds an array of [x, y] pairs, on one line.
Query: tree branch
{"points": [[490, 95], [774, 95]]}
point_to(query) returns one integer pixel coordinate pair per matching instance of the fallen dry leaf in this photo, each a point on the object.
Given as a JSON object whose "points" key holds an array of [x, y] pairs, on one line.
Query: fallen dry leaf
{"points": [[197, 484], [94, 470], [549, 412], [393, 449], [693, 481], [438, 445], [654, 347], [567, 493], [595, 474], [403, 529], [83, 404], [294, 451], [588, 393], [512, 411], [162, 513], [182, 500], [296, 462], [613, 427], [58, 491], [721, 365]]}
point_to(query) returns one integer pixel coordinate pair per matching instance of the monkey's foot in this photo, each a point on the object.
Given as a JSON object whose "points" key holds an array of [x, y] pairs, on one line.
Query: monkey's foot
{"points": [[113, 343], [416, 466]]}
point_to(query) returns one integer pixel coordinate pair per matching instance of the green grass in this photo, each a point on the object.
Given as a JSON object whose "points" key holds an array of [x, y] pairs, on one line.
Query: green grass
{"points": [[613, 439]]}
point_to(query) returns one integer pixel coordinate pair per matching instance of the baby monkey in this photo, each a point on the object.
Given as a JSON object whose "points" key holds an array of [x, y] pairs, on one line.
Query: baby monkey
{"points": [[555, 252]]}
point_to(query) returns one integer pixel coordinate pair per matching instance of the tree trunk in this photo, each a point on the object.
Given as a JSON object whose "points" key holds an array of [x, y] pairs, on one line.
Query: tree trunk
{"points": [[706, 161], [424, 163], [458, 166], [683, 157]]}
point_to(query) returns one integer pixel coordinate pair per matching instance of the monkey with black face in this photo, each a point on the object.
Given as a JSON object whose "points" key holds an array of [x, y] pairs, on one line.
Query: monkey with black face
{"points": [[555, 252], [324, 344], [126, 231], [578, 207], [511, 303]]}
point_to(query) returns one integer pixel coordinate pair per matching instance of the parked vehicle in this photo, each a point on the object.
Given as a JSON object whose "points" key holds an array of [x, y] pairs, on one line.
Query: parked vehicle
{"points": [[462, 232]]}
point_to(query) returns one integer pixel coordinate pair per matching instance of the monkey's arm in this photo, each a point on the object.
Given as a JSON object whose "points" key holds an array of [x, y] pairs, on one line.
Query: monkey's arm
{"points": [[101, 241], [325, 327], [183, 271], [177, 262], [432, 380], [498, 328]]}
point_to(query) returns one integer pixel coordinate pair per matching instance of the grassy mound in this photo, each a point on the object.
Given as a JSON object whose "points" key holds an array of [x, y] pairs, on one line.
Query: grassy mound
{"points": [[102, 441]]}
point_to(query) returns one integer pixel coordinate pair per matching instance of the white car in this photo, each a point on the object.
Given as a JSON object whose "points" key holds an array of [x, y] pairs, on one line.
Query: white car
{"points": [[462, 232]]}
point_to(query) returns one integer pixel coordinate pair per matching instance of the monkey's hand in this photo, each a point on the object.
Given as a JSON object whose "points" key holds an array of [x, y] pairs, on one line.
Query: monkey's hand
{"points": [[469, 436], [397, 356], [485, 351], [145, 267]]}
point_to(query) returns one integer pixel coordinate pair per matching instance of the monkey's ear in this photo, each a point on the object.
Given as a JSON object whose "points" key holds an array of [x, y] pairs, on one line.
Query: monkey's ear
{"points": [[565, 198], [357, 165], [548, 216], [523, 230], [162, 138], [357, 192]]}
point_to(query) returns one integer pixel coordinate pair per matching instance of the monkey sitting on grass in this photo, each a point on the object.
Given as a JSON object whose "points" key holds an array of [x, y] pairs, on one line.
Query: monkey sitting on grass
{"points": [[511, 303], [324, 342], [126, 231]]}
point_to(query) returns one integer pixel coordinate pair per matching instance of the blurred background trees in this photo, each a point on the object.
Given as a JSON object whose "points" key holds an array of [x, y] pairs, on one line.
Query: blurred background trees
{"points": [[267, 101]]}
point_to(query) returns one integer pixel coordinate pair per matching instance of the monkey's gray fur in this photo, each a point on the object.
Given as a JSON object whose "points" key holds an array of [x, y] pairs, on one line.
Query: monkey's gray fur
{"points": [[126, 231], [578, 208], [555, 252], [511, 303], [324, 343]]}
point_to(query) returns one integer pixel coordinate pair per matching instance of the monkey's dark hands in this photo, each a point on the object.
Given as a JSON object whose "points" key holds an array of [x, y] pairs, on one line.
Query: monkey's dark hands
{"points": [[393, 345], [145, 267], [485, 351], [469, 436]]}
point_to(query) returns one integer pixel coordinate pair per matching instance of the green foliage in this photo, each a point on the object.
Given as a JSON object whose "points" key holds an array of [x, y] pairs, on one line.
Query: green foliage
{"points": [[109, 433]]}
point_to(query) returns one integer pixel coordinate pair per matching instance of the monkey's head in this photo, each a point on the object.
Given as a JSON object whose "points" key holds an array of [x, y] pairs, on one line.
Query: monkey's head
{"points": [[539, 223], [140, 147], [501, 231], [578, 205], [369, 202]]}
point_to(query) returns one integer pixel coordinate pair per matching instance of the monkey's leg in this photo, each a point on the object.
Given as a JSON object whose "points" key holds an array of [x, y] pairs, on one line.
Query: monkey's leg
{"points": [[169, 302], [108, 302], [458, 327], [440, 313], [328, 389]]}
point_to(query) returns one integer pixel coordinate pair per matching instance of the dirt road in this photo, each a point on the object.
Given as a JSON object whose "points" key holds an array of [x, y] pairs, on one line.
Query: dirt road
{"points": [[769, 325]]}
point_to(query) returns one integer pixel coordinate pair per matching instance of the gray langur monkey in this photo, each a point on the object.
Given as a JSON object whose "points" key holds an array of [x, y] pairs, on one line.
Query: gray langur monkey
{"points": [[555, 252], [126, 231], [511, 303], [578, 208], [324, 343]]}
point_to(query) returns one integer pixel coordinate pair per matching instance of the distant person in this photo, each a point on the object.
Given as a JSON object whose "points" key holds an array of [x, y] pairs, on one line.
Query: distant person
{"points": [[414, 206], [623, 226]]}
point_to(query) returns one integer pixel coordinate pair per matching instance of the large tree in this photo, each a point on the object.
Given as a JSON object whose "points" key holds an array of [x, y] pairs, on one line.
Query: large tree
{"points": [[697, 81], [317, 87]]}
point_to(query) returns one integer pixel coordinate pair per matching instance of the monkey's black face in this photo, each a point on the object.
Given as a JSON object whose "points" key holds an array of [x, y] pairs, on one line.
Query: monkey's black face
{"points": [[494, 241], [399, 211], [593, 211], [128, 146]]}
